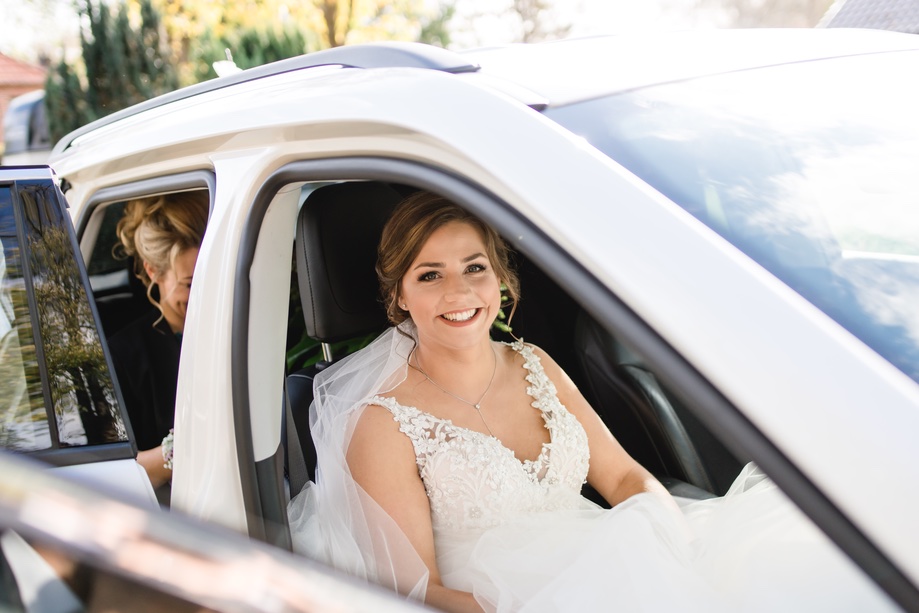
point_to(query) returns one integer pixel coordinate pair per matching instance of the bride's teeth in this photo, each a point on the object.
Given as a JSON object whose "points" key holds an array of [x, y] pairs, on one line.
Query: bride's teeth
{"points": [[460, 316]]}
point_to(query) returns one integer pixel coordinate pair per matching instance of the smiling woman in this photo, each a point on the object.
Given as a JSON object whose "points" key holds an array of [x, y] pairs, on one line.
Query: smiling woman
{"points": [[406, 234], [451, 467]]}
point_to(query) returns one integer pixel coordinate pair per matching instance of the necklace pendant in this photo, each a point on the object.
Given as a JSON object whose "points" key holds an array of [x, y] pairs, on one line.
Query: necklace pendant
{"points": [[477, 407]]}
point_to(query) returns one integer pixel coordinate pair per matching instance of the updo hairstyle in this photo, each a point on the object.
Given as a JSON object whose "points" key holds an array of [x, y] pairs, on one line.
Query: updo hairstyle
{"points": [[156, 230], [411, 224]]}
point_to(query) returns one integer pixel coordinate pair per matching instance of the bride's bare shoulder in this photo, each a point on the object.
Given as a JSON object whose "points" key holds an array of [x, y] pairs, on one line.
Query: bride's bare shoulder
{"points": [[376, 432]]}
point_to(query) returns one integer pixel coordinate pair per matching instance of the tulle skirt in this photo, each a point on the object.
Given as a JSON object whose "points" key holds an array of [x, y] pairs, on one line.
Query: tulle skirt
{"points": [[749, 551]]}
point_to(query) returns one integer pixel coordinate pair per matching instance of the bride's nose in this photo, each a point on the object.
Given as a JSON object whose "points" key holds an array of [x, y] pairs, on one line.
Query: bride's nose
{"points": [[456, 288]]}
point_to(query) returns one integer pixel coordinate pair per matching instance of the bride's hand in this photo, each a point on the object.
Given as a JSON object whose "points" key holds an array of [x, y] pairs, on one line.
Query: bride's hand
{"points": [[449, 600]]}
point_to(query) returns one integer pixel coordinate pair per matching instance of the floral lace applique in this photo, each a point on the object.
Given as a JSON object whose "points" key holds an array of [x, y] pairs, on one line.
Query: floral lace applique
{"points": [[474, 481]]}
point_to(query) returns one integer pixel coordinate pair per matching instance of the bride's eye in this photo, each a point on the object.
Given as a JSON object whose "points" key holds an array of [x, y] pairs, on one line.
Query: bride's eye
{"points": [[476, 268], [428, 276]]}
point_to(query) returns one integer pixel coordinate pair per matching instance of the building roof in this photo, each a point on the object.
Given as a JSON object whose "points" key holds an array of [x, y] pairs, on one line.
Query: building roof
{"points": [[896, 15], [14, 73]]}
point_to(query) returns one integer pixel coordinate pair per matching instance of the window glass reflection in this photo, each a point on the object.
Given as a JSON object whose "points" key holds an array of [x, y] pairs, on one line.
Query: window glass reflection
{"points": [[23, 419], [807, 168], [81, 388]]}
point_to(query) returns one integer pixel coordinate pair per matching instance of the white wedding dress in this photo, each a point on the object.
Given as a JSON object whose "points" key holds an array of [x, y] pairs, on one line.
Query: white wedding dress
{"points": [[520, 537]]}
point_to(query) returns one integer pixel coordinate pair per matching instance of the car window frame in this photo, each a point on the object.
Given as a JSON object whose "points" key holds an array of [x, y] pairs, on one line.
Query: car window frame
{"points": [[188, 180], [57, 455], [259, 482]]}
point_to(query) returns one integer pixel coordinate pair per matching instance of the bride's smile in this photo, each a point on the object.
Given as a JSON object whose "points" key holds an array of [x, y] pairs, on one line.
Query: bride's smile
{"points": [[461, 316]]}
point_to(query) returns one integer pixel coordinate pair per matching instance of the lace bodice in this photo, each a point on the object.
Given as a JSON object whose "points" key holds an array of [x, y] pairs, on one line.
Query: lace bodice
{"points": [[473, 481]]}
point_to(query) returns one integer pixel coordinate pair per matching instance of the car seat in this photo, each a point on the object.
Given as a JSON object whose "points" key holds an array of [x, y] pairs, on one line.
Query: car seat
{"points": [[338, 231]]}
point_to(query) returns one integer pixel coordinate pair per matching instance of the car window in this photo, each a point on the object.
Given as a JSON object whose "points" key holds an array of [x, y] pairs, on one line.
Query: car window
{"points": [[57, 391], [806, 168], [23, 420]]}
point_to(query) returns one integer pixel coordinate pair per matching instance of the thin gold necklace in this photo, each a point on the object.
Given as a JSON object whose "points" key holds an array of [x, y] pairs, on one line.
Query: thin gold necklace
{"points": [[475, 405]]}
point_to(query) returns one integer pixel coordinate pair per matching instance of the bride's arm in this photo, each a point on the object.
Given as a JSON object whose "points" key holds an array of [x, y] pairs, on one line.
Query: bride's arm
{"points": [[382, 462], [613, 472]]}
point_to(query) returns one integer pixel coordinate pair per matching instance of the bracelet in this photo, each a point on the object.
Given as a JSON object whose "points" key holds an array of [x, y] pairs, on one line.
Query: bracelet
{"points": [[167, 450]]}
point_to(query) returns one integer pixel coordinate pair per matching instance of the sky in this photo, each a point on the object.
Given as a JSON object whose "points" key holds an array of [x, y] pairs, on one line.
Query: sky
{"points": [[26, 29], [587, 17]]}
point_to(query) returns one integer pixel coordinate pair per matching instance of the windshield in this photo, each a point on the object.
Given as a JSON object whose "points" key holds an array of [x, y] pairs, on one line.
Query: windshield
{"points": [[810, 169]]}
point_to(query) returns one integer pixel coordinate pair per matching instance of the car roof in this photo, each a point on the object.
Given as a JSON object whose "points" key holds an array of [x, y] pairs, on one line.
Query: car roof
{"points": [[567, 71], [570, 71]]}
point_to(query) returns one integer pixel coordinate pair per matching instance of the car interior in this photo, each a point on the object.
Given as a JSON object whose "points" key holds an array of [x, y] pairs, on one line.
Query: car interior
{"points": [[335, 309], [340, 300]]}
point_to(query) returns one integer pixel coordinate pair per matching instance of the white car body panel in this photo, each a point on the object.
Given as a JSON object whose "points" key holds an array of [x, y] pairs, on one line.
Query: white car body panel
{"points": [[126, 476], [697, 291]]}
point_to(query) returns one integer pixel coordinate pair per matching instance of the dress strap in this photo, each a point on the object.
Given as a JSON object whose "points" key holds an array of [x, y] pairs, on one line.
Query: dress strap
{"points": [[541, 388], [414, 423], [402, 414]]}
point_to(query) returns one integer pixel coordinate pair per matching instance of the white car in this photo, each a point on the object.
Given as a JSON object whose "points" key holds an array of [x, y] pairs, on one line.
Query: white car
{"points": [[717, 234]]}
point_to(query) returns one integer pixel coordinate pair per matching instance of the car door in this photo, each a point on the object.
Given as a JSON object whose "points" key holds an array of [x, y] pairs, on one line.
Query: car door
{"points": [[58, 399]]}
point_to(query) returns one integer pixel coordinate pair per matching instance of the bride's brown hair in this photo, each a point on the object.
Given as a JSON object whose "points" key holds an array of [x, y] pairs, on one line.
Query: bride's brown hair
{"points": [[411, 224]]}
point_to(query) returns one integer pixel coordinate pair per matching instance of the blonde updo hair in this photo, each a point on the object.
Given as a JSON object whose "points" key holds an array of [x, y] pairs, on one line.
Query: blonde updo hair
{"points": [[156, 230], [411, 224]]}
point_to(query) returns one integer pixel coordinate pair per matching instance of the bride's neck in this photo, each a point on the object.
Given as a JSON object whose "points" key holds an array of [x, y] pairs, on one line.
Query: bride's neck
{"points": [[451, 363]]}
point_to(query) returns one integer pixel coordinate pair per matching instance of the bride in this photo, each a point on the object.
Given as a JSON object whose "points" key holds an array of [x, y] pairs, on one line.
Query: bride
{"points": [[450, 468]]}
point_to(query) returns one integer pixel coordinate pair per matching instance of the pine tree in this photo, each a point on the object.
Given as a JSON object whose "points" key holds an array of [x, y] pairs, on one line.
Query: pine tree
{"points": [[122, 65], [249, 47], [65, 102], [435, 30]]}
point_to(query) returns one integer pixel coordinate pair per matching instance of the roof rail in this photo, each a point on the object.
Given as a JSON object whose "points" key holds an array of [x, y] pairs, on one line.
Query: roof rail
{"points": [[368, 55]]}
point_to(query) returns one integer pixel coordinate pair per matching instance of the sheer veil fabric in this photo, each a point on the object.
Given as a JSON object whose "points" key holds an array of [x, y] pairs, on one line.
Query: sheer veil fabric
{"points": [[549, 549], [332, 519]]}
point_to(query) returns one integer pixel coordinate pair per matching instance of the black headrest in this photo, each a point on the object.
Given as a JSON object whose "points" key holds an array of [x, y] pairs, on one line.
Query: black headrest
{"points": [[338, 232]]}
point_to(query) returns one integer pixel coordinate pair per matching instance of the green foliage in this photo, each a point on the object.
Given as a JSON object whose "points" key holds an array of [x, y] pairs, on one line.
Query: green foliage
{"points": [[249, 47], [65, 102], [121, 64], [501, 322], [436, 30]]}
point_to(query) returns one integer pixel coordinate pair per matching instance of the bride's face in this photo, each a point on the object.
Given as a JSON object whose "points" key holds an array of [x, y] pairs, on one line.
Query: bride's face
{"points": [[450, 290]]}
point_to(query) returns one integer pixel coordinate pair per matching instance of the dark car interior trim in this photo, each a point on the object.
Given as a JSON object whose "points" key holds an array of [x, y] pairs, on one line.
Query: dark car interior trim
{"points": [[86, 454], [195, 179]]}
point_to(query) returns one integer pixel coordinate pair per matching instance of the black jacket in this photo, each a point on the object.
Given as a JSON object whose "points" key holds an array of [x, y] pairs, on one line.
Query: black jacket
{"points": [[147, 366]]}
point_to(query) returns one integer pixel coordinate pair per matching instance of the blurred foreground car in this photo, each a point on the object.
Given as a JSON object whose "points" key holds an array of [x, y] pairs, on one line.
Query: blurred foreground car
{"points": [[103, 552], [717, 236]]}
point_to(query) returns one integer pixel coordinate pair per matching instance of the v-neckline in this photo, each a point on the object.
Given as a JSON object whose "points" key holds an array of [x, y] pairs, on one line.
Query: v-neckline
{"points": [[530, 467], [544, 450]]}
